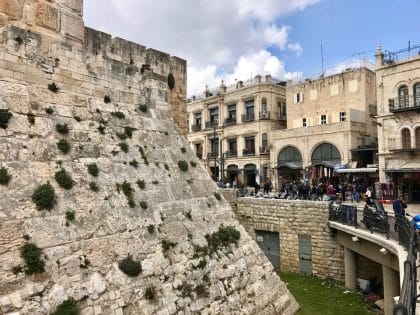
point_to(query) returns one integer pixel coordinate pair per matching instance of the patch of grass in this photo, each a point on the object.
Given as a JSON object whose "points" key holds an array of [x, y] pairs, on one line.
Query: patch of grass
{"points": [[128, 131], [5, 116], [93, 169], [49, 111], [131, 202], [201, 290], [107, 99], [53, 87], [126, 188], [4, 176], [101, 129], [123, 146], [193, 164], [150, 293], [70, 215], [222, 238], [130, 267], [62, 129], [44, 197], [143, 205], [183, 150], [31, 118], [151, 228], [141, 183], [63, 145], [167, 245], [68, 307], [93, 186], [323, 296], [217, 196], [118, 114], [31, 254], [133, 163], [183, 165], [64, 180], [143, 108]]}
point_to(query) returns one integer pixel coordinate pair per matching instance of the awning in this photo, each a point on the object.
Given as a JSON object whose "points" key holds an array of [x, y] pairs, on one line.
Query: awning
{"points": [[329, 164], [293, 165], [403, 170], [357, 170]]}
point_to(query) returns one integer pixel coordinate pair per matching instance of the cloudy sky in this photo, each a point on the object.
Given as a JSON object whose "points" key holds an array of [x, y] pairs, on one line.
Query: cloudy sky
{"points": [[237, 39]]}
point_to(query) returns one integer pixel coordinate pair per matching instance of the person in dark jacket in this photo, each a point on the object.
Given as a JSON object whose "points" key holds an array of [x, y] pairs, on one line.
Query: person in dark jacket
{"points": [[399, 206]]}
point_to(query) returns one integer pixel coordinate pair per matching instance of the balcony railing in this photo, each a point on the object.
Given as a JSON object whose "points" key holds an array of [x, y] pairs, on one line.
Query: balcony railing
{"points": [[248, 117], [230, 121], [264, 115], [229, 154], [212, 155], [404, 104], [395, 144], [281, 116], [264, 151], [212, 124], [196, 127], [248, 152]]}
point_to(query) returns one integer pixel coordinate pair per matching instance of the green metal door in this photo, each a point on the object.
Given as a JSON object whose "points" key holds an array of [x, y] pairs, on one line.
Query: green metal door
{"points": [[269, 242], [305, 254]]}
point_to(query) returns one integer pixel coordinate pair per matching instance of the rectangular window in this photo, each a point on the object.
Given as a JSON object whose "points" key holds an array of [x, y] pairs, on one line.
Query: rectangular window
{"points": [[214, 116], [231, 114], [249, 110], [249, 145], [214, 146], [232, 147], [323, 119], [304, 123], [197, 119], [199, 150], [299, 97], [342, 116]]}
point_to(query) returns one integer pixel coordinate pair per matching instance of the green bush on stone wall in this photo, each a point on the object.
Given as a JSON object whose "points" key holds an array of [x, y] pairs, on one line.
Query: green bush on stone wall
{"points": [[53, 87], [63, 145], [93, 169], [44, 197], [130, 267], [5, 116], [64, 180], [68, 307], [183, 165], [4, 176], [31, 254], [62, 128]]}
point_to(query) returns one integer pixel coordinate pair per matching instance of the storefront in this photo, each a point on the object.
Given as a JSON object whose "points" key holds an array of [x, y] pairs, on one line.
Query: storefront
{"points": [[289, 165], [405, 182], [324, 158]]}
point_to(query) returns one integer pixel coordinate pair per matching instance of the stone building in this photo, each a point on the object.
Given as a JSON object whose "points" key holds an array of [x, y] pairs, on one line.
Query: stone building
{"points": [[102, 204], [330, 125], [230, 128], [398, 92]]}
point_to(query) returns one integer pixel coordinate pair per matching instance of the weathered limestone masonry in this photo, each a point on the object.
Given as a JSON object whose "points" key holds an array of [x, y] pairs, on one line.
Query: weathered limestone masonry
{"points": [[142, 202], [292, 218]]}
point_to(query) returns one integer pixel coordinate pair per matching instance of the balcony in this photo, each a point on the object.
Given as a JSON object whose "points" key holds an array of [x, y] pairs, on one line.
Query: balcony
{"points": [[230, 121], [264, 151], [229, 154], [248, 117], [264, 115], [212, 124], [248, 152], [281, 117], [196, 127], [406, 104], [212, 155]]}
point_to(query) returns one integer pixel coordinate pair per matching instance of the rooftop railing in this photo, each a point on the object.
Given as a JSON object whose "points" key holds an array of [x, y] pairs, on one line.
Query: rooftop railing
{"points": [[403, 104]]}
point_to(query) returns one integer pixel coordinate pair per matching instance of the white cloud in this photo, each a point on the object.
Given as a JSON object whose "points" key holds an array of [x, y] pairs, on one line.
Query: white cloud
{"points": [[215, 37]]}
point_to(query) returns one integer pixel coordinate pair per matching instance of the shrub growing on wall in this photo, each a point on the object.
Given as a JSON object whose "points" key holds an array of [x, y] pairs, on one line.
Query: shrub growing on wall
{"points": [[63, 146], [62, 128], [64, 179], [93, 169], [5, 116], [44, 197], [53, 87], [183, 165], [31, 254], [68, 307], [4, 176], [130, 267]]}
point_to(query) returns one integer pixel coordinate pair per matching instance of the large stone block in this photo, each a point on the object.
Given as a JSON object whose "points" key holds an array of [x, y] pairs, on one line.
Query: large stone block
{"points": [[47, 16], [72, 26], [12, 8]]}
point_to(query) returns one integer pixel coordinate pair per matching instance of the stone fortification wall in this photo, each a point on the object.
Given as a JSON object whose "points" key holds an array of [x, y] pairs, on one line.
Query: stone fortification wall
{"points": [[291, 218], [140, 204]]}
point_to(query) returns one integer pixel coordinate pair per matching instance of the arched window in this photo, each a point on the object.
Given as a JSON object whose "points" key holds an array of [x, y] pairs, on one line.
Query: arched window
{"points": [[403, 96], [264, 105], [290, 157], [418, 137], [416, 93], [406, 139], [264, 141], [326, 153]]}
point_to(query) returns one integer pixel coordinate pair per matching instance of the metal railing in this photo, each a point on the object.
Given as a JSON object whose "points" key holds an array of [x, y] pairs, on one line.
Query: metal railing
{"points": [[229, 154], [399, 228], [212, 124], [264, 115], [196, 127], [248, 117], [230, 121], [246, 152], [407, 103], [264, 150], [211, 155]]}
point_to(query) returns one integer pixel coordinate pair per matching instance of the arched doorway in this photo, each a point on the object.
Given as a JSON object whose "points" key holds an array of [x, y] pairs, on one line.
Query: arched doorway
{"points": [[289, 165], [324, 158], [232, 172], [250, 172]]}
